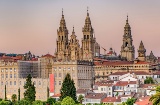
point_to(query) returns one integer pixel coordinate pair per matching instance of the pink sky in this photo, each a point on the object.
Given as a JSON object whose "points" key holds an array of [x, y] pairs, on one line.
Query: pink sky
{"points": [[32, 25]]}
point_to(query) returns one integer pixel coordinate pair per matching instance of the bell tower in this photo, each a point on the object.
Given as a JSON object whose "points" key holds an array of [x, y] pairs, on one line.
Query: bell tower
{"points": [[127, 49], [74, 47], [141, 52], [88, 41], [62, 39]]}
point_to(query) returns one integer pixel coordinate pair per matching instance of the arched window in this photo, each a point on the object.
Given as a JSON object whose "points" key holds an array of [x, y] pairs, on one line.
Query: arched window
{"points": [[126, 44], [87, 36], [84, 36]]}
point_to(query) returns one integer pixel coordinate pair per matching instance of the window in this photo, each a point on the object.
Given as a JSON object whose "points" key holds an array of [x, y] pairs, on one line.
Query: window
{"points": [[34, 82], [59, 82], [59, 74], [14, 82], [14, 69], [109, 93], [2, 70], [10, 82], [6, 75], [6, 70], [2, 75], [14, 75], [101, 89], [55, 74], [11, 69], [39, 83], [19, 82], [10, 75], [2, 83], [54, 82]]}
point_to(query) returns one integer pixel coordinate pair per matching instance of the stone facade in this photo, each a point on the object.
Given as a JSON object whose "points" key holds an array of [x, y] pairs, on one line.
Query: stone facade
{"points": [[70, 49], [127, 49], [82, 72]]}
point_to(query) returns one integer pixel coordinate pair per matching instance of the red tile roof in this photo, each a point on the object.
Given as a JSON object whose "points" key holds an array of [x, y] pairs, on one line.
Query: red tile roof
{"points": [[143, 101], [124, 83], [146, 85], [82, 90], [135, 72], [111, 99], [157, 73], [56, 95], [95, 95], [104, 83], [113, 63], [48, 55]]}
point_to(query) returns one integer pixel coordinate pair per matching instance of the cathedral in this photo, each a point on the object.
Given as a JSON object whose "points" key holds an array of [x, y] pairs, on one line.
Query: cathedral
{"points": [[70, 49]]}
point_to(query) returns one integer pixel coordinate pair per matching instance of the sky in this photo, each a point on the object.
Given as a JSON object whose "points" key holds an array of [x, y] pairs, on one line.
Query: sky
{"points": [[31, 25]]}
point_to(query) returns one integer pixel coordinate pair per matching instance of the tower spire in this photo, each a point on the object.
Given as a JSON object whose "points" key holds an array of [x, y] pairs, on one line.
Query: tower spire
{"points": [[62, 11], [127, 19], [87, 11]]}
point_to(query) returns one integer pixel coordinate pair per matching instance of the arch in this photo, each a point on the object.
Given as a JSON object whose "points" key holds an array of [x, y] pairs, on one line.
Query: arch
{"points": [[87, 36], [84, 36], [62, 37], [126, 44]]}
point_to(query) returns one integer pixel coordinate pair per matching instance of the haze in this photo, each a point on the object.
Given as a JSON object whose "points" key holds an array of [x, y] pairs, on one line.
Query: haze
{"points": [[31, 25]]}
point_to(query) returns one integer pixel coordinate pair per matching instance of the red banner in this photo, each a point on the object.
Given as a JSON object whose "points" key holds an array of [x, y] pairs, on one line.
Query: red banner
{"points": [[51, 77]]}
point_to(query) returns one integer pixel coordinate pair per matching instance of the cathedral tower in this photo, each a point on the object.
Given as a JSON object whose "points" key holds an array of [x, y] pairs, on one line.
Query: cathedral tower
{"points": [[74, 47], [62, 40], [141, 52], [127, 49], [88, 41]]}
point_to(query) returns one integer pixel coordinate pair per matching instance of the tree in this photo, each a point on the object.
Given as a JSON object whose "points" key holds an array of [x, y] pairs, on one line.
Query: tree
{"points": [[47, 92], [5, 93], [80, 98], [156, 98], [130, 101], [19, 94], [149, 80], [30, 91], [37, 102], [3, 102], [50, 101], [14, 97], [68, 88], [68, 101], [24, 102]]}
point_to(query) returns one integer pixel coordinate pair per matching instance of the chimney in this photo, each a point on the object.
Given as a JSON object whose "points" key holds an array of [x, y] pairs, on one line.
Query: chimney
{"points": [[128, 80], [116, 97]]}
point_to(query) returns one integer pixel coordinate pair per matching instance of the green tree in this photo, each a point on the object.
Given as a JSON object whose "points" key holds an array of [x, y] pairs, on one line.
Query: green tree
{"points": [[5, 93], [68, 101], [130, 101], [37, 102], [14, 97], [50, 101], [19, 94], [24, 102], [30, 91], [80, 98], [156, 98], [1, 99], [68, 88], [149, 80], [3, 102], [47, 92]]}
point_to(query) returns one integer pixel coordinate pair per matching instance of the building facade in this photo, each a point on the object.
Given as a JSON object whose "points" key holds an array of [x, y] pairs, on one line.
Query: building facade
{"points": [[82, 72], [69, 49]]}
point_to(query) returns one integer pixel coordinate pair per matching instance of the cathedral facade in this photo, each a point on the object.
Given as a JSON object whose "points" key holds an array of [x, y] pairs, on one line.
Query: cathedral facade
{"points": [[70, 49]]}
